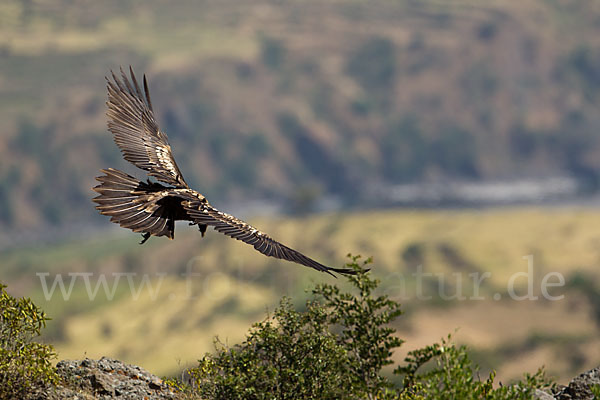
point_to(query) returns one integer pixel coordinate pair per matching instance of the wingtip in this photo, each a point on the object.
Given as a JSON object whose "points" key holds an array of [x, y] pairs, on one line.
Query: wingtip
{"points": [[123, 74], [347, 271], [331, 273]]}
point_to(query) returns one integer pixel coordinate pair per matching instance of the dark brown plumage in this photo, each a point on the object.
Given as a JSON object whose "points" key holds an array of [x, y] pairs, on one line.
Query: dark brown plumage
{"points": [[152, 208]]}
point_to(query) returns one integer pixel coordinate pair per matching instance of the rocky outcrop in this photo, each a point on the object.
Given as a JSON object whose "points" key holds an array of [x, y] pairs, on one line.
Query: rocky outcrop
{"points": [[580, 387], [104, 379]]}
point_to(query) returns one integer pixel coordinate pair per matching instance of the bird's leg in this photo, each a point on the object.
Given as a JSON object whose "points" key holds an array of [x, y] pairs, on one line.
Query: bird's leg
{"points": [[201, 227], [145, 237]]}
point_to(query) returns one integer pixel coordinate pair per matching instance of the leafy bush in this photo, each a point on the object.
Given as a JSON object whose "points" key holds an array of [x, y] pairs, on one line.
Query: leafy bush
{"points": [[292, 356], [337, 348], [23, 362], [454, 377]]}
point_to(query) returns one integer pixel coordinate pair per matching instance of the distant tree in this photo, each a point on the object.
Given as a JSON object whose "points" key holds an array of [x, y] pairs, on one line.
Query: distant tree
{"points": [[272, 52], [27, 12], [413, 255], [404, 151], [317, 160], [479, 82], [584, 63], [304, 199], [486, 31], [455, 153], [30, 139], [373, 65], [6, 204], [523, 143]]}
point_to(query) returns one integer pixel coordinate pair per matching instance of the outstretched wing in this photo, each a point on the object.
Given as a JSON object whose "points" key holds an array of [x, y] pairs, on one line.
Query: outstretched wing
{"points": [[131, 121], [202, 212]]}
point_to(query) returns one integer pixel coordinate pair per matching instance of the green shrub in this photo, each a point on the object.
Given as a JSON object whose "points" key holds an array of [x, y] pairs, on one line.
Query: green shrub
{"points": [[336, 348], [23, 362], [454, 376], [292, 356]]}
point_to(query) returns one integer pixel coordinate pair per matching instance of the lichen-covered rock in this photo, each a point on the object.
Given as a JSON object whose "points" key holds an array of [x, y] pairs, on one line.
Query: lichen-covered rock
{"points": [[579, 387], [104, 379]]}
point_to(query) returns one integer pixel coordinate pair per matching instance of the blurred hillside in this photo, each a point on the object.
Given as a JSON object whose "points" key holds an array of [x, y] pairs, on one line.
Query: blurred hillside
{"points": [[289, 102]]}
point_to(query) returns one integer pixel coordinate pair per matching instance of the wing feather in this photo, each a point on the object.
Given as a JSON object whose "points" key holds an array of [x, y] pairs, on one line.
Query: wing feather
{"points": [[201, 212], [136, 132]]}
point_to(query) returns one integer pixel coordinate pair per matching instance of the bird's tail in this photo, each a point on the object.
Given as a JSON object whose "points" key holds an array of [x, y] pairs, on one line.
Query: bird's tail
{"points": [[127, 201]]}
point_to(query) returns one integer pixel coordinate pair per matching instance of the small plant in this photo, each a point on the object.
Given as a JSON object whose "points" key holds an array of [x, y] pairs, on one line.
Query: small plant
{"points": [[454, 376], [337, 348], [23, 362], [595, 389]]}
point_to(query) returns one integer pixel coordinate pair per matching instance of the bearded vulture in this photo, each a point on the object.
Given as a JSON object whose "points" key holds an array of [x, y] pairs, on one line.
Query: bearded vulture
{"points": [[152, 208]]}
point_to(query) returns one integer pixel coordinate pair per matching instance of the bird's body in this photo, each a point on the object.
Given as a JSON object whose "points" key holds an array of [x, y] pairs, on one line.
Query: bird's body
{"points": [[151, 208]]}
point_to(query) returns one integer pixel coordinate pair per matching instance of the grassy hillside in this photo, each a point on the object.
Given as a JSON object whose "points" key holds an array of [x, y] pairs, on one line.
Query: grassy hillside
{"points": [[296, 101], [171, 325]]}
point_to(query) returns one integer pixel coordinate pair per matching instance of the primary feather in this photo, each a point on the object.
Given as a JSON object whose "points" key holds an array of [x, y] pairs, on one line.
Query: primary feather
{"points": [[131, 121]]}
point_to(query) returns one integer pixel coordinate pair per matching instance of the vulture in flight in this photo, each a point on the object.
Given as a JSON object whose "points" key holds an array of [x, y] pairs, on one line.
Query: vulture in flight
{"points": [[152, 208]]}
